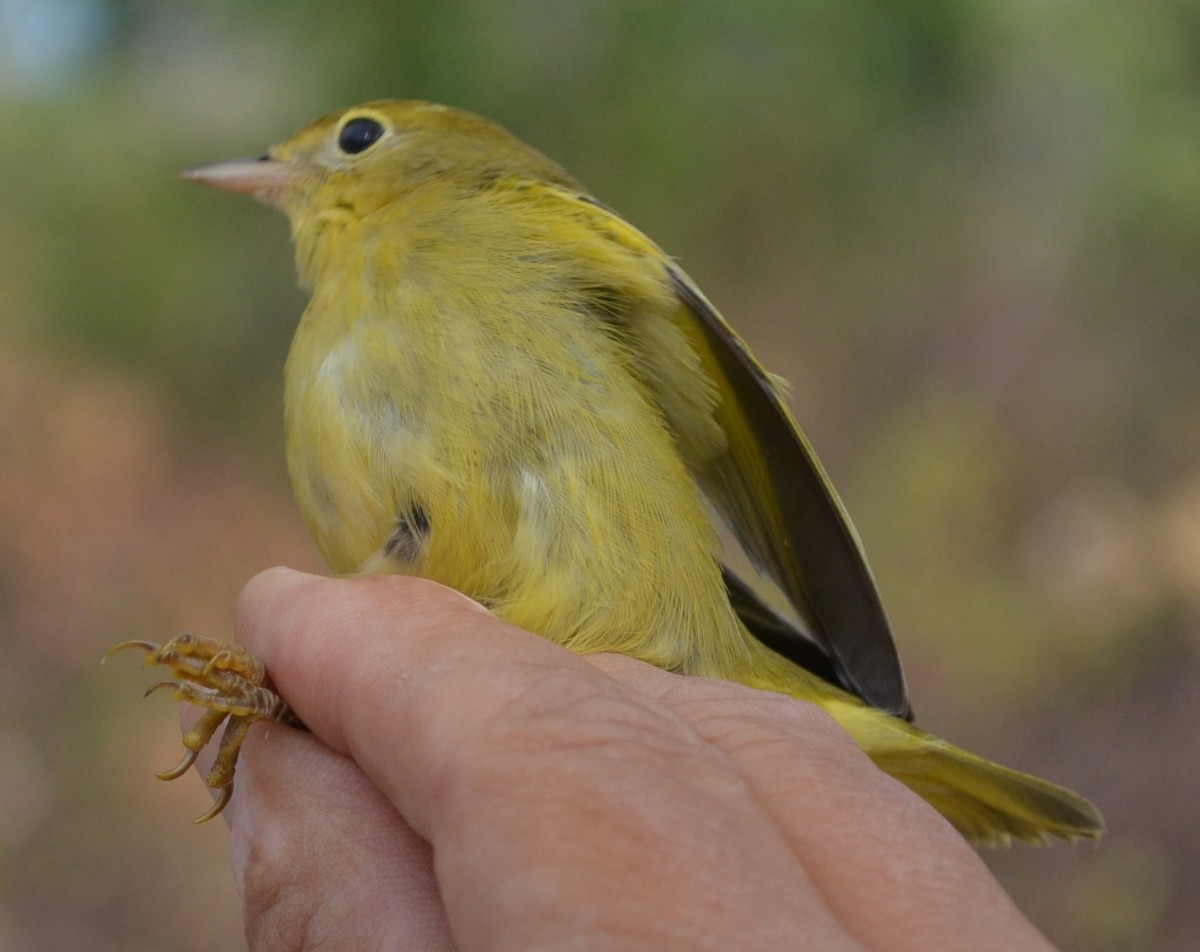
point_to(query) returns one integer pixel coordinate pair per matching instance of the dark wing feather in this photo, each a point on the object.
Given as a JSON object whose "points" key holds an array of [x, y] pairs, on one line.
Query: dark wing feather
{"points": [[745, 450], [771, 489], [777, 632]]}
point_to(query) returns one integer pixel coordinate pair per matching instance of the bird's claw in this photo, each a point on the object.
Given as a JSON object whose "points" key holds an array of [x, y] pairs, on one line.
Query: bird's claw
{"points": [[185, 762], [231, 686]]}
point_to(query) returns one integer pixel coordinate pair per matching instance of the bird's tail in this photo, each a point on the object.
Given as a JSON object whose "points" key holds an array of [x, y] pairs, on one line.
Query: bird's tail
{"points": [[987, 803]]}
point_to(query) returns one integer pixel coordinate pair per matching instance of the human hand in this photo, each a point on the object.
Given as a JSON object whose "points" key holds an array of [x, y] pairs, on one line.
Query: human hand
{"points": [[468, 785]]}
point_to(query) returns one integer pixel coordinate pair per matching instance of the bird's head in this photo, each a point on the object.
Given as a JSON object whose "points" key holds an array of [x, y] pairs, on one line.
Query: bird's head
{"points": [[350, 164]]}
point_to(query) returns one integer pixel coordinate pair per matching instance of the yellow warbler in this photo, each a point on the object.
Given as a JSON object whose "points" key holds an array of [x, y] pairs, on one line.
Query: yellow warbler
{"points": [[501, 385]]}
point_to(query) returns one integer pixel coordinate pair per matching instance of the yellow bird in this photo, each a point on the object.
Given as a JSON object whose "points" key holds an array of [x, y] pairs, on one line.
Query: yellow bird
{"points": [[501, 385]]}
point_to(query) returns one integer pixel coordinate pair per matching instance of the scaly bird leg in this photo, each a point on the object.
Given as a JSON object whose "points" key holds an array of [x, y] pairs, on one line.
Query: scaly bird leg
{"points": [[229, 683]]}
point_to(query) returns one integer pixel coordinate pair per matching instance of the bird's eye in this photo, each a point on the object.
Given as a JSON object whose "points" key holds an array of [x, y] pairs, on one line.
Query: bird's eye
{"points": [[358, 135]]}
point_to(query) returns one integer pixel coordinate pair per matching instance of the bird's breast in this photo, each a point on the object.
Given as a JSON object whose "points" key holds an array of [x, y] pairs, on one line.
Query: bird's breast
{"points": [[502, 446]]}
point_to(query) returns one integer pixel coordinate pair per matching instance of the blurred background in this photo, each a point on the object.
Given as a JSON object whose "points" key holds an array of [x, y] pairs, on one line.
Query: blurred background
{"points": [[969, 235]]}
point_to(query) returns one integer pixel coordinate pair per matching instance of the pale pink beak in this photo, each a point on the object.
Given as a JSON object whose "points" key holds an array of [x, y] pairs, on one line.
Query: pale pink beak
{"points": [[263, 177]]}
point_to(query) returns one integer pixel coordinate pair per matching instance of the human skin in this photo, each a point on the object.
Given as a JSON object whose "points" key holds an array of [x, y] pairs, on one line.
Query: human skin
{"points": [[467, 785]]}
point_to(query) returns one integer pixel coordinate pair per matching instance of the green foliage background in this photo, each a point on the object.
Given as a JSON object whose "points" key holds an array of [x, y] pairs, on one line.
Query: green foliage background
{"points": [[968, 233]]}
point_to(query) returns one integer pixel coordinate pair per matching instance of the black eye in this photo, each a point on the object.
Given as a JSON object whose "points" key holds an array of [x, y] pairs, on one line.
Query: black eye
{"points": [[358, 135]]}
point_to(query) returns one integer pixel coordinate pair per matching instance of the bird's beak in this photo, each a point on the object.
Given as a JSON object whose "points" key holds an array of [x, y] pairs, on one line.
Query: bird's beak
{"points": [[263, 177]]}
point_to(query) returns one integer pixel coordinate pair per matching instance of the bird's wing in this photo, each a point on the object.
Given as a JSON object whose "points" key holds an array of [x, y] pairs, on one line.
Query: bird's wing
{"points": [[777, 632], [759, 472]]}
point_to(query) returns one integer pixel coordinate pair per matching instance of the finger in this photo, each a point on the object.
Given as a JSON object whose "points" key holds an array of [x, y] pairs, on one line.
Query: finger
{"points": [[493, 743], [876, 851], [321, 859]]}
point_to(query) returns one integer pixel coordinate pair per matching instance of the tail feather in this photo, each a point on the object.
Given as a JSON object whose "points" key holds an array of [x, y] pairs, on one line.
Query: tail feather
{"points": [[989, 804]]}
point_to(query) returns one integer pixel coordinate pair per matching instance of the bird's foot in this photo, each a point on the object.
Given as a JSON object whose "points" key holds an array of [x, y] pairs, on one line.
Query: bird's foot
{"points": [[229, 683]]}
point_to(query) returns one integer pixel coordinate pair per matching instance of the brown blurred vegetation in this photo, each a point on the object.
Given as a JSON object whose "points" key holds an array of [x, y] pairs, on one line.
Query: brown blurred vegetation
{"points": [[968, 234]]}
